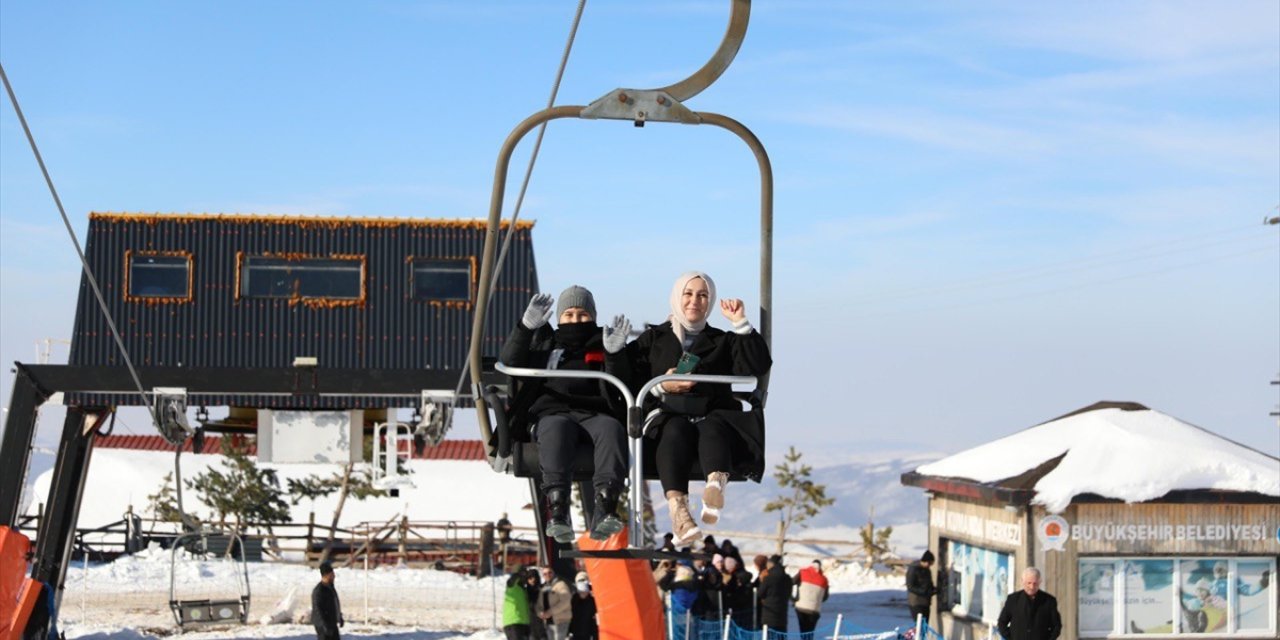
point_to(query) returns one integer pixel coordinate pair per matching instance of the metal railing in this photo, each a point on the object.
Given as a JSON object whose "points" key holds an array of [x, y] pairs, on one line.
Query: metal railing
{"points": [[635, 421]]}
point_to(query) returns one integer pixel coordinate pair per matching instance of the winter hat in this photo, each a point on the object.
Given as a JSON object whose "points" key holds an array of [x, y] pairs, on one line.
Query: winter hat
{"points": [[683, 573], [576, 296], [927, 557], [582, 582], [678, 323], [776, 559]]}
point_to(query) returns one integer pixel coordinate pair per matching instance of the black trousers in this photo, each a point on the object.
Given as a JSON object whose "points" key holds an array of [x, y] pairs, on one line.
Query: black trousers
{"points": [[711, 442], [559, 436], [516, 631], [919, 610], [808, 620]]}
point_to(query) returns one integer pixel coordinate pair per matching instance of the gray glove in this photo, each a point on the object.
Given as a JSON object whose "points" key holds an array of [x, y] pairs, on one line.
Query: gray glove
{"points": [[615, 335], [538, 312]]}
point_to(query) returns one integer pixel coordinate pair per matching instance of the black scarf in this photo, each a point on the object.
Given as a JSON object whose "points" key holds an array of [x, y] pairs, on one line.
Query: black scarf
{"points": [[578, 337]]}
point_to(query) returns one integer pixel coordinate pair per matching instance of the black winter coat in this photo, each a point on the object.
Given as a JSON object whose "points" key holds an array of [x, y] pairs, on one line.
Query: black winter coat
{"points": [[326, 611], [583, 626], [775, 595], [541, 397], [920, 587], [1024, 618], [720, 353]]}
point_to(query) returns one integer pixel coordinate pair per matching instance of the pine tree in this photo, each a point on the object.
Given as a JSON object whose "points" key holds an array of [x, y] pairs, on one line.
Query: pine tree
{"points": [[804, 500], [241, 490], [163, 504], [875, 542], [356, 483]]}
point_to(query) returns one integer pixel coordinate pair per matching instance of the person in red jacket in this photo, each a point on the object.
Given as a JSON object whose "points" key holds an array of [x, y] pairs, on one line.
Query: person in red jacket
{"points": [[812, 590]]}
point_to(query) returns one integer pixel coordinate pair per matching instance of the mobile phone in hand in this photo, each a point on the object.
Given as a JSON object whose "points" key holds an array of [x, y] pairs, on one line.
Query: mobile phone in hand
{"points": [[687, 362]]}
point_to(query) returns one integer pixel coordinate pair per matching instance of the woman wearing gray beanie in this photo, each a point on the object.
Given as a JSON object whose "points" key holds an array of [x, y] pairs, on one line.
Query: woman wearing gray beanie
{"points": [[567, 413], [694, 422]]}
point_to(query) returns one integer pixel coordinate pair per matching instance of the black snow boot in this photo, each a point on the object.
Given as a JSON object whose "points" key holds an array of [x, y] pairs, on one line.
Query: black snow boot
{"points": [[558, 526], [607, 520]]}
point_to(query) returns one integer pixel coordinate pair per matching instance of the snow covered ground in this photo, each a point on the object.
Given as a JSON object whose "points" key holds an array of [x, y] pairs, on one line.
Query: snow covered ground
{"points": [[129, 598]]}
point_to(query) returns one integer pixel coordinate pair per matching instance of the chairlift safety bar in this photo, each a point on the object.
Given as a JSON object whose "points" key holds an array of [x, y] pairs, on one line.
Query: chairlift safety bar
{"points": [[635, 418]]}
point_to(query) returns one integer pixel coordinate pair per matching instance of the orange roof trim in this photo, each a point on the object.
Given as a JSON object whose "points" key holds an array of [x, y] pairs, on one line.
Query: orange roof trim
{"points": [[303, 221]]}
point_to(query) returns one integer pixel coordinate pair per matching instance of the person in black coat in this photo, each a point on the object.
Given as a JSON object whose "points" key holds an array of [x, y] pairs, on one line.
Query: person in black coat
{"points": [[1030, 614], [584, 625], [572, 412], [699, 422], [775, 595], [920, 589], [326, 610]]}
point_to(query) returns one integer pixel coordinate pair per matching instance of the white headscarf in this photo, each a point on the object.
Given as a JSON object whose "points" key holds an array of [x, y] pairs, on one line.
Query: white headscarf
{"points": [[679, 324]]}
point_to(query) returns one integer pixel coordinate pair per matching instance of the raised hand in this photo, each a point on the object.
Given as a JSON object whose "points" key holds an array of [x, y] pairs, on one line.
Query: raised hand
{"points": [[615, 334], [538, 312], [733, 309]]}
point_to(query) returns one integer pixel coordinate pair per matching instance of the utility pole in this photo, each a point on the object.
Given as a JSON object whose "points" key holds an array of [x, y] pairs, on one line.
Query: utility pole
{"points": [[1274, 221]]}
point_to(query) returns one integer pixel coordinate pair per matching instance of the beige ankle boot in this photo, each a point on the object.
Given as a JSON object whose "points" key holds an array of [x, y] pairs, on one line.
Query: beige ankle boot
{"points": [[682, 525], [713, 496]]}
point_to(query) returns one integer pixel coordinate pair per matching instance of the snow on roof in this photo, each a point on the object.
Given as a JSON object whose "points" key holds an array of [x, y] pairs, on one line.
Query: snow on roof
{"points": [[1129, 453]]}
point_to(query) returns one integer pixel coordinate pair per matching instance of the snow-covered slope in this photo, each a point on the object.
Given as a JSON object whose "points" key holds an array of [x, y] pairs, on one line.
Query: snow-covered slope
{"points": [[443, 490]]}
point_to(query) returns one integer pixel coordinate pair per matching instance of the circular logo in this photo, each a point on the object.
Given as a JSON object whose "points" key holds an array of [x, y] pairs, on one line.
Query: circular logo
{"points": [[1054, 532]]}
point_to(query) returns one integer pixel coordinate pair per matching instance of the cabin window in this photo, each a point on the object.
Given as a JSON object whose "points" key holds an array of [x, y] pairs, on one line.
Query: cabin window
{"points": [[159, 276], [434, 279], [289, 277]]}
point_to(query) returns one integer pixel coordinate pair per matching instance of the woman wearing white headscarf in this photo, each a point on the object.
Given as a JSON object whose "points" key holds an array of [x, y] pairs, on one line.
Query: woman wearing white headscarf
{"points": [[700, 423]]}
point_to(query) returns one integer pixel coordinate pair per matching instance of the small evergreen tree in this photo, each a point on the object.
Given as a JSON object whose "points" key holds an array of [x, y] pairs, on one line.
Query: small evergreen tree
{"points": [[353, 482], [312, 487], [802, 498], [241, 490], [163, 504], [875, 542]]}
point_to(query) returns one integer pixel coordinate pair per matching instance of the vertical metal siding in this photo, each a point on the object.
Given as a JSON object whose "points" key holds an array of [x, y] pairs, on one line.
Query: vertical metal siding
{"points": [[216, 328]]}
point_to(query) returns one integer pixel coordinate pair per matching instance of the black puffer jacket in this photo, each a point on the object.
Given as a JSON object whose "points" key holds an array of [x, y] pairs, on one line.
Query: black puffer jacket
{"points": [[541, 397], [775, 596]]}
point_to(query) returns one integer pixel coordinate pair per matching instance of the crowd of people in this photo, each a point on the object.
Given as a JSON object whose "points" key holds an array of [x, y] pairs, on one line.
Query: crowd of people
{"points": [[539, 605], [752, 596]]}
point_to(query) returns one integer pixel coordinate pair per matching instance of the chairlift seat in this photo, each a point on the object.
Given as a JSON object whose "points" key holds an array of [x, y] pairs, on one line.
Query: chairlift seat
{"points": [[208, 611], [525, 460]]}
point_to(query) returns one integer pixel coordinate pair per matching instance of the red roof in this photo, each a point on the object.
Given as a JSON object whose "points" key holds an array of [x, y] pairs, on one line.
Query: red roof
{"points": [[446, 450]]}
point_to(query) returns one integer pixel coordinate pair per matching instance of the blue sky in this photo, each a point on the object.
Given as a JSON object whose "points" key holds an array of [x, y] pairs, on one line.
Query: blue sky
{"points": [[987, 214]]}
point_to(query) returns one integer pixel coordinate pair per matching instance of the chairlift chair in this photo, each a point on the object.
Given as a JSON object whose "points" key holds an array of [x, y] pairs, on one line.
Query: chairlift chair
{"points": [[226, 607], [509, 450]]}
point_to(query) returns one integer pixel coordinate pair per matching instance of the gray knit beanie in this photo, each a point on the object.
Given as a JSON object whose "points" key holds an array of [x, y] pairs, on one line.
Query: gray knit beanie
{"points": [[576, 296]]}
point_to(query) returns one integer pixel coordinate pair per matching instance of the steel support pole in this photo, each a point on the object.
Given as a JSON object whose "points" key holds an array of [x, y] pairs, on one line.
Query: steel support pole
{"points": [[15, 448]]}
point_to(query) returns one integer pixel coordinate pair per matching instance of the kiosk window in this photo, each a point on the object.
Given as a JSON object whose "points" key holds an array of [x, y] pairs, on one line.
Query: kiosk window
{"points": [[157, 276], [977, 580], [1176, 597], [330, 278], [434, 279]]}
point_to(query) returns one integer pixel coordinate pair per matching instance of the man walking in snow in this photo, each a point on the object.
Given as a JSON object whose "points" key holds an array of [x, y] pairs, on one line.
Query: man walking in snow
{"points": [[555, 605], [920, 589], [326, 610]]}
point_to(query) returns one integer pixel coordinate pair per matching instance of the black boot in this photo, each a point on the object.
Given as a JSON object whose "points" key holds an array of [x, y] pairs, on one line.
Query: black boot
{"points": [[607, 520], [558, 526]]}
